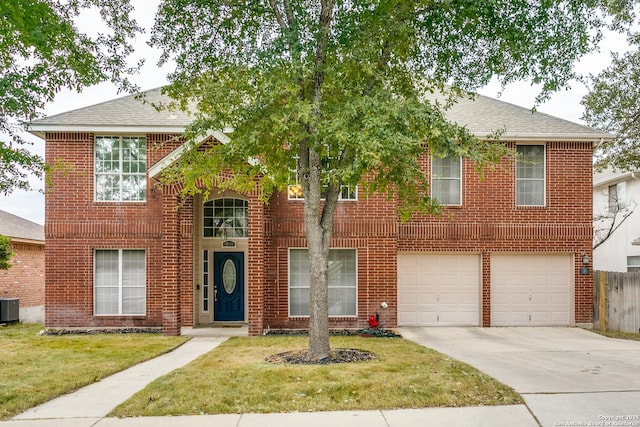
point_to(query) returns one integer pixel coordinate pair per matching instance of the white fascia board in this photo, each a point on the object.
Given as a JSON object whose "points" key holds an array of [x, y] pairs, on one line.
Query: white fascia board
{"points": [[569, 137], [614, 179], [40, 130], [167, 160]]}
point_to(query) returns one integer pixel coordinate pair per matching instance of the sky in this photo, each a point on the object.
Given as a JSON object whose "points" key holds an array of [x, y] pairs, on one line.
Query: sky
{"points": [[30, 204]]}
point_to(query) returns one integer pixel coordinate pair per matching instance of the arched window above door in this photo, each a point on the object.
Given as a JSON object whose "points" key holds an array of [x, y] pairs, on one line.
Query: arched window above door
{"points": [[225, 218]]}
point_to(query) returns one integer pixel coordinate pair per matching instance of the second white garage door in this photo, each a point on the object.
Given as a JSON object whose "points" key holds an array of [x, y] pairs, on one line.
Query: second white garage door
{"points": [[438, 290], [531, 290]]}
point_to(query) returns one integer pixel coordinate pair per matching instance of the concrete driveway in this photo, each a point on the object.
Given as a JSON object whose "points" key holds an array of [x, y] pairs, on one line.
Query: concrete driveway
{"points": [[567, 376]]}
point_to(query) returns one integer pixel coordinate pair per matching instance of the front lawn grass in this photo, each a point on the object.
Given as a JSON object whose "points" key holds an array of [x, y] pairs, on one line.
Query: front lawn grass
{"points": [[35, 369], [620, 335], [235, 378]]}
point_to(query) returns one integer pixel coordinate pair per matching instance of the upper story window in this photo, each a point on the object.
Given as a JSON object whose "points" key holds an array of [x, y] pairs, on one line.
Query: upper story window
{"points": [[446, 180], [617, 196], [226, 218], [530, 175], [120, 168], [294, 190]]}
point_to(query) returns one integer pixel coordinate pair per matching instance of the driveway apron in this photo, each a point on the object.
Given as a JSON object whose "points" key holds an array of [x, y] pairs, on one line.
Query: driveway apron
{"points": [[567, 376]]}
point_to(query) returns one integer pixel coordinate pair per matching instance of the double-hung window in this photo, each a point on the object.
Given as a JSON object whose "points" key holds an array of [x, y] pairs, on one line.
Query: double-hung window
{"points": [[120, 165], [446, 180], [530, 175], [120, 282], [633, 264], [342, 282], [294, 190], [617, 197]]}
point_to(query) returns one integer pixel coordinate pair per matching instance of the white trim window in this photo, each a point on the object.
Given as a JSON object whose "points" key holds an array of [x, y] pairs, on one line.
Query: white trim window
{"points": [[226, 218], [294, 190], [617, 195], [446, 180], [120, 168], [530, 175], [342, 282], [633, 264], [120, 282]]}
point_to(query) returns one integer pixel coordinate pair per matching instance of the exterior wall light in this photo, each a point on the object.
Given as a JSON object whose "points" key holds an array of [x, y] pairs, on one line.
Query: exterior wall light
{"points": [[584, 270]]}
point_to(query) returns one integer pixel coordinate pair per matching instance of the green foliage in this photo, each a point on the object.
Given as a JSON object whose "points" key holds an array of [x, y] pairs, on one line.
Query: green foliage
{"points": [[359, 98], [41, 53], [612, 105], [5, 253], [344, 92]]}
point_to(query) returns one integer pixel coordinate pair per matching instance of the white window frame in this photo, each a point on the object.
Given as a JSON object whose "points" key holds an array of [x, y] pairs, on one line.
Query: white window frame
{"points": [[435, 177], [617, 196], [543, 179], [120, 285], [354, 286], [119, 173], [294, 191], [633, 263], [218, 232]]}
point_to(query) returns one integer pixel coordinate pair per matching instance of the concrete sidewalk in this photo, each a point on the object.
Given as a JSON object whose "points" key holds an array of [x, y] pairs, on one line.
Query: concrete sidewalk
{"points": [[487, 416]]}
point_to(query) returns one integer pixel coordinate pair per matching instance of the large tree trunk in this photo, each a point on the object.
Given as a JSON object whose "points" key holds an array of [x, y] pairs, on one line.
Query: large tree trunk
{"points": [[318, 218], [318, 224]]}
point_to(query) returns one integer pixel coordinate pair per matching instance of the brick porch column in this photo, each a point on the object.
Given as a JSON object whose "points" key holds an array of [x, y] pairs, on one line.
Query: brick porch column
{"points": [[256, 266], [170, 262]]}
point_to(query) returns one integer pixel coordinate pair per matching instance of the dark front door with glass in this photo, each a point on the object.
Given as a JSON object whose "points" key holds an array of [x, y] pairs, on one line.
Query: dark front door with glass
{"points": [[228, 285]]}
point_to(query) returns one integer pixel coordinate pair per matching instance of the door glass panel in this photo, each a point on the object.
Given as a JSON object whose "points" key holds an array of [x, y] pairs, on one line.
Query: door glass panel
{"points": [[229, 276]]}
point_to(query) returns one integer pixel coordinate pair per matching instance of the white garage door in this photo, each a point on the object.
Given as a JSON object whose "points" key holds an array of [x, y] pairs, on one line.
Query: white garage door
{"points": [[531, 290], [438, 290]]}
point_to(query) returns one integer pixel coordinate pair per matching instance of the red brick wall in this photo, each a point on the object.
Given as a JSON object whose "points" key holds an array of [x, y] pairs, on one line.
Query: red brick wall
{"points": [[25, 278], [367, 225], [76, 225], [488, 222]]}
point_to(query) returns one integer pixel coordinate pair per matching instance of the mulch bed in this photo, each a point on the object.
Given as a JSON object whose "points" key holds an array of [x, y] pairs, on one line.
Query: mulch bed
{"points": [[338, 355]]}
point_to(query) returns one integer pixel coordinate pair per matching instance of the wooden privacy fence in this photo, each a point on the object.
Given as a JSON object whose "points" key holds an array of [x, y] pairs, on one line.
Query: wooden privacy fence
{"points": [[616, 301]]}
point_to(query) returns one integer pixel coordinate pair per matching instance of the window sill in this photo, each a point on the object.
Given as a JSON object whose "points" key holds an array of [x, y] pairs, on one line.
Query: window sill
{"points": [[338, 317], [531, 207]]}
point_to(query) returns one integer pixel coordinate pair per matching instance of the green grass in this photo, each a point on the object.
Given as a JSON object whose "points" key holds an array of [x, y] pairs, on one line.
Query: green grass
{"points": [[235, 378], [34, 369], [621, 335]]}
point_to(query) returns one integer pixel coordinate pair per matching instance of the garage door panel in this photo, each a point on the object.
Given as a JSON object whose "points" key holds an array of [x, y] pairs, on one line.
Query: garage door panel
{"points": [[447, 291], [531, 289]]}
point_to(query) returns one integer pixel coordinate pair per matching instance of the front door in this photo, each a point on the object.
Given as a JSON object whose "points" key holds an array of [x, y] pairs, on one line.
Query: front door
{"points": [[228, 286]]}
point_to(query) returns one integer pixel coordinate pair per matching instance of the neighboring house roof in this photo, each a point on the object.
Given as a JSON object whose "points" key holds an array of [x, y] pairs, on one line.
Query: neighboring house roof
{"points": [[608, 177], [20, 229], [482, 116]]}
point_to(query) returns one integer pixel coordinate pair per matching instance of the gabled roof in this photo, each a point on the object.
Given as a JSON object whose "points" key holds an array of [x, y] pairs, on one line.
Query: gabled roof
{"points": [[20, 229], [126, 114], [482, 116]]}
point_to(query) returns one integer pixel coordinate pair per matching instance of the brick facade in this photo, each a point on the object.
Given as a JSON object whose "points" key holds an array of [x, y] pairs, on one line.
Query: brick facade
{"points": [[25, 278], [488, 222]]}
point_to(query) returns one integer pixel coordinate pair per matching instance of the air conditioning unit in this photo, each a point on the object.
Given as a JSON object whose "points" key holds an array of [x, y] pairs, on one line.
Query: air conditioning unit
{"points": [[9, 309]]}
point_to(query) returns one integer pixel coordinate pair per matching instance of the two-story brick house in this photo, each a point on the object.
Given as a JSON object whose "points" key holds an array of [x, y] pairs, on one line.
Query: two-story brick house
{"points": [[124, 250]]}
